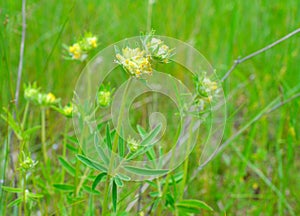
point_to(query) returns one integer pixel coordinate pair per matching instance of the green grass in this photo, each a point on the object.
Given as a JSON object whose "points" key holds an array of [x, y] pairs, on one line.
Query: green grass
{"points": [[256, 174]]}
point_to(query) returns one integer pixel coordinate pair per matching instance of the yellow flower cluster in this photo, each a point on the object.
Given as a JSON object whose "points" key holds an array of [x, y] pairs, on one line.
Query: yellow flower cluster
{"points": [[75, 51], [80, 49], [135, 61], [32, 93]]}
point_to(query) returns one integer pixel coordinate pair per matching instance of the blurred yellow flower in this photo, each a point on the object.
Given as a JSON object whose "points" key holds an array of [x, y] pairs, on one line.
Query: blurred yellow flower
{"points": [[75, 51], [92, 41], [50, 98]]}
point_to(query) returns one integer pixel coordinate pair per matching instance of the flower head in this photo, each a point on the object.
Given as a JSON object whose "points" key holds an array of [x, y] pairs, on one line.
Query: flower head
{"points": [[92, 41], [133, 144], [27, 163], [75, 51], [104, 96], [134, 61], [80, 49], [159, 50], [68, 110], [206, 91], [31, 92]]}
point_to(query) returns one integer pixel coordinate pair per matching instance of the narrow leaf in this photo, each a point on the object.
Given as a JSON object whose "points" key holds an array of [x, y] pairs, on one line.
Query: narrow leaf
{"points": [[70, 169], [121, 145], [124, 177], [91, 164], [108, 137], [102, 154], [12, 190], [35, 195], [194, 204], [114, 195], [90, 190], [145, 171], [15, 202], [64, 187], [151, 135], [118, 181], [142, 131], [98, 179]]}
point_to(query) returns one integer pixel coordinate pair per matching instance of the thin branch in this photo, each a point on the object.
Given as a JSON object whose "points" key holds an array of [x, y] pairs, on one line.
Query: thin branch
{"points": [[241, 60], [16, 100], [20, 67], [264, 112]]}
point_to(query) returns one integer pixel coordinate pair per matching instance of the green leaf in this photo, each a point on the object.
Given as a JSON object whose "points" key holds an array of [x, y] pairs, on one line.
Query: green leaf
{"points": [[98, 179], [73, 140], [124, 177], [12, 123], [177, 178], [108, 137], [121, 145], [193, 204], [114, 195], [35, 195], [142, 131], [118, 181], [102, 154], [12, 189], [151, 135], [31, 130], [70, 169], [15, 202], [71, 148], [145, 171], [90, 190], [91, 163], [64, 187], [151, 154]]}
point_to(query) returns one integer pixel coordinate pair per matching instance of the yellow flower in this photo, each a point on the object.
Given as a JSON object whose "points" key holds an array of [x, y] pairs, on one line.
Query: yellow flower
{"points": [[75, 51], [68, 110], [50, 98], [92, 41]]}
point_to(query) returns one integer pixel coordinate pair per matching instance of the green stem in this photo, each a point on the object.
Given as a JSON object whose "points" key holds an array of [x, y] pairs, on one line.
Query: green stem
{"points": [[43, 135], [185, 166], [24, 193], [64, 152], [149, 15], [166, 186], [82, 181], [114, 148]]}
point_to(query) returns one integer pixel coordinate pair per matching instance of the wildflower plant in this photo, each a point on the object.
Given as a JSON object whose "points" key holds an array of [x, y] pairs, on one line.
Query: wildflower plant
{"points": [[120, 154]]}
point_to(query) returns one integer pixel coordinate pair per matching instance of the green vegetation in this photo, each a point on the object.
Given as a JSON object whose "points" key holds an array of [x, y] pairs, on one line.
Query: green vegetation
{"points": [[44, 169]]}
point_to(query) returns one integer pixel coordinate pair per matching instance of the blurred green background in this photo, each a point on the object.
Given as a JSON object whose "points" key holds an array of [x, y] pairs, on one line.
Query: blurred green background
{"points": [[222, 31]]}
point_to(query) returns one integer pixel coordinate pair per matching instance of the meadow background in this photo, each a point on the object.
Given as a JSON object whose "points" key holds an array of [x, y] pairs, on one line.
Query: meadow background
{"points": [[258, 173]]}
